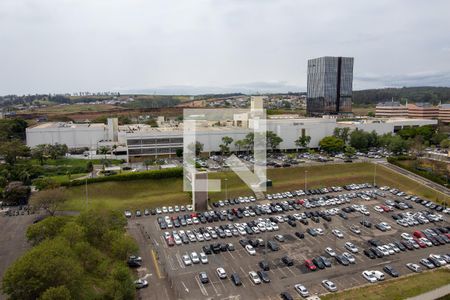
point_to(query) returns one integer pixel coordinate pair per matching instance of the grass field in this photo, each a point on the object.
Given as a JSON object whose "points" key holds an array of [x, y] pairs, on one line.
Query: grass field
{"points": [[397, 289], [153, 193]]}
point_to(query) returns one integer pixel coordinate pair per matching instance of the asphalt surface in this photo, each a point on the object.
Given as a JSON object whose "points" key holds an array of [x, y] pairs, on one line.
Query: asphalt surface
{"points": [[184, 283], [13, 242]]}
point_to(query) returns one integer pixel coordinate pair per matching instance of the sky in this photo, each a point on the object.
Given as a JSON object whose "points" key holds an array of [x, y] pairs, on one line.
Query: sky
{"points": [[213, 46]]}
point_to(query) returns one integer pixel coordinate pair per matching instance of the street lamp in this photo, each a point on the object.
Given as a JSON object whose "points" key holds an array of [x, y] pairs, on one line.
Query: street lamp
{"points": [[306, 178], [226, 188], [375, 175]]}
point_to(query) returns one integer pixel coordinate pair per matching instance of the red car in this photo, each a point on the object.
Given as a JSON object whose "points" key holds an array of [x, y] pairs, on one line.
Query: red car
{"points": [[170, 241], [418, 234], [420, 243], [310, 265]]}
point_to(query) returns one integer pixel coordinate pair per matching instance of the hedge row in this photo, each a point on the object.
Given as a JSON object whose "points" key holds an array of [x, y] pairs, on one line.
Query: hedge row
{"points": [[157, 174], [431, 176]]}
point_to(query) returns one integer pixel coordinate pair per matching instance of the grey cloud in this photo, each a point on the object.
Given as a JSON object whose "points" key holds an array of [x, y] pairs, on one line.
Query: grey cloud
{"points": [[197, 45]]}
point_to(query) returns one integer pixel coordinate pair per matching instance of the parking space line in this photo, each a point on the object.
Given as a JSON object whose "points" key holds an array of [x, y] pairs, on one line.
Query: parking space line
{"points": [[177, 255], [201, 286], [214, 287], [289, 269]]}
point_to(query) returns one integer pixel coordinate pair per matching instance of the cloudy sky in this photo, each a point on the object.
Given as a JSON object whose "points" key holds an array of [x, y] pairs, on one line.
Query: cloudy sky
{"points": [[197, 46]]}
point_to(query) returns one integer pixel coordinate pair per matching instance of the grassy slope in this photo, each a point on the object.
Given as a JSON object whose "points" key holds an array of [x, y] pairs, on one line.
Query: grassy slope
{"points": [[401, 288], [153, 193]]}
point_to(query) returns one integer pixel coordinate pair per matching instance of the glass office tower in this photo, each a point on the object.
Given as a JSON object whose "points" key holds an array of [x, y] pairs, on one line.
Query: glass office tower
{"points": [[330, 85]]}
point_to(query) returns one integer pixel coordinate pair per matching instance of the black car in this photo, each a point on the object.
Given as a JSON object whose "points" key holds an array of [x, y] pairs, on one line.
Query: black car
{"points": [[326, 262], [132, 263], [243, 242], [206, 250], [273, 246], [236, 279], [400, 246], [264, 276], [369, 253], [311, 231], [343, 215], [203, 277], [391, 271], [264, 265], [304, 221], [377, 252], [342, 260], [286, 296], [300, 235], [318, 262], [287, 261], [374, 243], [366, 223], [292, 223]]}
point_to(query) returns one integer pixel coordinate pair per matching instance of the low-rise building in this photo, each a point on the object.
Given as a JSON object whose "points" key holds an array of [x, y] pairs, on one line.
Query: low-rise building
{"points": [[422, 110], [444, 113], [391, 109]]}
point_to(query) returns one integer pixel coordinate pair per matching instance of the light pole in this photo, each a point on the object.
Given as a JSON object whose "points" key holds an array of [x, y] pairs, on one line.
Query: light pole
{"points": [[86, 192], [375, 175], [226, 188], [306, 179]]}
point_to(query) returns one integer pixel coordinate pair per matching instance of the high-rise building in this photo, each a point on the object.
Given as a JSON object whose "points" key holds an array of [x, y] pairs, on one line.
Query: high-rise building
{"points": [[330, 85]]}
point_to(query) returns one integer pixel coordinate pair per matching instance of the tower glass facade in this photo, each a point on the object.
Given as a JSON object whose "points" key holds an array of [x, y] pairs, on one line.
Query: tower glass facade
{"points": [[330, 85]]}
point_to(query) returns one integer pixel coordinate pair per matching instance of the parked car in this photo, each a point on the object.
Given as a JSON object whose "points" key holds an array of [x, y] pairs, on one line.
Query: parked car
{"points": [[329, 285], [302, 290]]}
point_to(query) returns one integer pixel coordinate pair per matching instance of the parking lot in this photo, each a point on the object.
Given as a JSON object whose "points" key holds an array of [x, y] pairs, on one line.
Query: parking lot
{"points": [[185, 281]]}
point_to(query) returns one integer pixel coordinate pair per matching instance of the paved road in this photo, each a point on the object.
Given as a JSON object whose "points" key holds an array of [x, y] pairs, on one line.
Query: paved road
{"points": [[418, 178], [434, 294]]}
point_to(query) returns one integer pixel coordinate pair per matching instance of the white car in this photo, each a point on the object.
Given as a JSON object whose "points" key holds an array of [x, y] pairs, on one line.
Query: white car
{"points": [[337, 233], [351, 247], [254, 277], [302, 290], [349, 257], [369, 276], [406, 236], [439, 258], [414, 267], [221, 273], [383, 250], [386, 225], [250, 249], [319, 231], [378, 209], [378, 275], [194, 257], [187, 260], [329, 285], [330, 252], [203, 258]]}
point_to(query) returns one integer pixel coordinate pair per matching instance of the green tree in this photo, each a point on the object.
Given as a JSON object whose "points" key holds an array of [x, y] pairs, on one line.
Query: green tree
{"points": [[303, 141], [179, 152], [349, 151], [359, 140], [342, 133], [56, 293], [90, 167], [11, 150], [43, 183], [40, 153], [273, 140], [445, 144], [225, 146], [371, 114], [331, 144], [16, 193], [240, 144], [121, 284], [49, 264], [50, 200], [103, 150], [48, 228], [148, 162]]}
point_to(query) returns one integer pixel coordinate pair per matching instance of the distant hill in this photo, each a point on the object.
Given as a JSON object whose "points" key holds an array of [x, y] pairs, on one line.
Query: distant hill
{"points": [[412, 94]]}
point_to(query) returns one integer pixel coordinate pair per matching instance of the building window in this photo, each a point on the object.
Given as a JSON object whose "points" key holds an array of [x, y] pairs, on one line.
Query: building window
{"points": [[148, 151], [134, 151], [133, 142], [163, 141], [176, 140], [148, 141]]}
